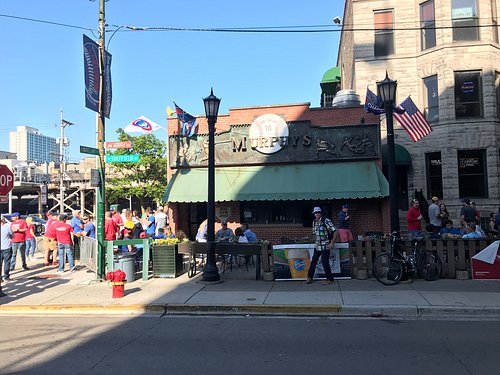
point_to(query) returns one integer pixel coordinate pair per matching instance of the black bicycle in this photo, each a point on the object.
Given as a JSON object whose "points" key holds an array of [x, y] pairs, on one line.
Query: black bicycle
{"points": [[390, 267]]}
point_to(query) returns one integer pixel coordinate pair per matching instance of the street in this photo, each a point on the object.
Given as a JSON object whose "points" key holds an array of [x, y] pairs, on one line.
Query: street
{"points": [[245, 345]]}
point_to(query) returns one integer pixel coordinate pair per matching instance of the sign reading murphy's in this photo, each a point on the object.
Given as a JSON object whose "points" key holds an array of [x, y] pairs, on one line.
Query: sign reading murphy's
{"points": [[270, 140]]}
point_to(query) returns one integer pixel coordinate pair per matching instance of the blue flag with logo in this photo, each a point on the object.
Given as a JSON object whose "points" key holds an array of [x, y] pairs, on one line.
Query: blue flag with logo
{"points": [[373, 103], [189, 125]]}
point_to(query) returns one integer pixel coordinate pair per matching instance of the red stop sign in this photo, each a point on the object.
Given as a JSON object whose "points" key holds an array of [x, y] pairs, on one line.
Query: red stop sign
{"points": [[6, 180]]}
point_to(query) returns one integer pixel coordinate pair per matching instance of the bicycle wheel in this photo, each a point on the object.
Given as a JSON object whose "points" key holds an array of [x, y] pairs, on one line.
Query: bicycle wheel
{"points": [[192, 266], [429, 266], [387, 269]]}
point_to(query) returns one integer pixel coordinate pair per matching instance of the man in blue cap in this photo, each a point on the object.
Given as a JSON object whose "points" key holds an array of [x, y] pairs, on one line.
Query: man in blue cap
{"points": [[344, 224]]}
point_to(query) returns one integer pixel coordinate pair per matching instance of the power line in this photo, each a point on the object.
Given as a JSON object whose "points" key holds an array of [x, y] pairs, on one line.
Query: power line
{"points": [[46, 22], [259, 29]]}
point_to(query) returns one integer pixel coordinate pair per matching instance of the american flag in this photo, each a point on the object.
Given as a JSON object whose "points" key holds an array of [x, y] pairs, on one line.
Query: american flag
{"points": [[412, 120]]}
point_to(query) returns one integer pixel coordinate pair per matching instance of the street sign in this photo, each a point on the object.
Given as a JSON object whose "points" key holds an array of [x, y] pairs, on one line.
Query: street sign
{"points": [[6, 180], [124, 144], [133, 158], [89, 150]]}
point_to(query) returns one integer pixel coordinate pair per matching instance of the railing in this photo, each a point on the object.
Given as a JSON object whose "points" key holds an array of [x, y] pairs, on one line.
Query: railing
{"points": [[145, 254], [455, 254]]}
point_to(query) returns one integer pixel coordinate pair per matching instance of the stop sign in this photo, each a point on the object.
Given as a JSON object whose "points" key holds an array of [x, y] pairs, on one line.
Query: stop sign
{"points": [[6, 180]]}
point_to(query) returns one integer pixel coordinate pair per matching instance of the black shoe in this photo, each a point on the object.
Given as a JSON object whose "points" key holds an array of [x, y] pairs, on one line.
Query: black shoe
{"points": [[2, 294], [25, 267], [12, 268]]}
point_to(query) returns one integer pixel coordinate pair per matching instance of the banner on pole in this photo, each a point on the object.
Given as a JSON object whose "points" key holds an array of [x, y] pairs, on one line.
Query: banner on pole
{"points": [[92, 77]]}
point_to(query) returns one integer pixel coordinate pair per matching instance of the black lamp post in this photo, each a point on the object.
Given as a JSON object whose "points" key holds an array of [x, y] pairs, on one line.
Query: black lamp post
{"points": [[387, 92], [210, 272]]}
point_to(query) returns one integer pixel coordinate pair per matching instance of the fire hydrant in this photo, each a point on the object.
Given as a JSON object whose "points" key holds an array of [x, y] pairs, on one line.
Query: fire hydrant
{"points": [[117, 282]]}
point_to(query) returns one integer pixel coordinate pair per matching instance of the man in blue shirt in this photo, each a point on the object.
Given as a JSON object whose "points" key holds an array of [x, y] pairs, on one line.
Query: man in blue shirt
{"points": [[471, 232], [251, 237], [76, 223], [89, 229], [449, 232]]}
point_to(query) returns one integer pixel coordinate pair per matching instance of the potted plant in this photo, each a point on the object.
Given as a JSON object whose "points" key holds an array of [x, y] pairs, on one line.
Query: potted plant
{"points": [[167, 262]]}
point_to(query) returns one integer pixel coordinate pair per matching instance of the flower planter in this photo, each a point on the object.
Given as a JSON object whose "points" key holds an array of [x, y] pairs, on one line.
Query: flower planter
{"points": [[167, 262]]}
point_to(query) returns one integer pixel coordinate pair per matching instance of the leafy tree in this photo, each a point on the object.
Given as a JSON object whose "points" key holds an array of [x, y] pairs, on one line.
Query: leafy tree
{"points": [[145, 179]]}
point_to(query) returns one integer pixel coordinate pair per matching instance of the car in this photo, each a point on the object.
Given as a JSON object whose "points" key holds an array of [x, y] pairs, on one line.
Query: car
{"points": [[38, 223]]}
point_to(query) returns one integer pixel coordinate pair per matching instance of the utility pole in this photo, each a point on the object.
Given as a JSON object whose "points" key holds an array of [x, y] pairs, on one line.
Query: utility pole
{"points": [[100, 125], [62, 169]]}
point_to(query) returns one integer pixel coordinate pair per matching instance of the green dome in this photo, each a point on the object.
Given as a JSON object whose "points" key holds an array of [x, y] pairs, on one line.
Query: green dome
{"points": [[331, 75]]}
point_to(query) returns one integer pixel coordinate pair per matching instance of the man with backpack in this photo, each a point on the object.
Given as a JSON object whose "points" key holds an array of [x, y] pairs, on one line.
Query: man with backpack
{"points": [[325, 233]]}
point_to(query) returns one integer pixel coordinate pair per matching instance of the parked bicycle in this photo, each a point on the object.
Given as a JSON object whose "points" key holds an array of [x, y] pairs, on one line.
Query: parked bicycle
{"points": [[390, 267]]}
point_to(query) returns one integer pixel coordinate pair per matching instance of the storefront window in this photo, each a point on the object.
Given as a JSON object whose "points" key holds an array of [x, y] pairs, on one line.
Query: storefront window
{"points": [[290, 212], [428, 24], [465, 20], [384, 33], [468, 94], [472, 177], [431, 99], [434, 174]]}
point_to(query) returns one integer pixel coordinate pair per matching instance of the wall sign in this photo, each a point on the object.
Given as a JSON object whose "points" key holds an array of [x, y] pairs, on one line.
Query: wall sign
{"points": [[271, 140]]}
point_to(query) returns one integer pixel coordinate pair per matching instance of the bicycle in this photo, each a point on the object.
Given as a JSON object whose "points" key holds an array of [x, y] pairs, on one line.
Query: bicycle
{"points": [[390, 267]]}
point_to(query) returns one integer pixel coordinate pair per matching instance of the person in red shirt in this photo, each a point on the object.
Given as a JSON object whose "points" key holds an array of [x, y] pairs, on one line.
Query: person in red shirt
{"points": [[117, 218], [64, 236], [49, 241], [19, 228], [413, 218], [110, 227]]}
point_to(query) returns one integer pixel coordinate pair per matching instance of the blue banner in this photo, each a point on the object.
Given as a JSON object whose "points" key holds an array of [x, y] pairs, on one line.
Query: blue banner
{"points": [[92, 77]]}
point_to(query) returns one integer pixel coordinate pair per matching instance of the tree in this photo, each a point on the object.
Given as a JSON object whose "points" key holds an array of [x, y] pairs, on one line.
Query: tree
{"points": [[145, 179]]}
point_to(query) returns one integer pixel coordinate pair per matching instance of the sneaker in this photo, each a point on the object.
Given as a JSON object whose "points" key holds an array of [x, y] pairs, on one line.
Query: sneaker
{"points": [[6, 279], [327, 282], [72, 269], [309, 280], [25, 267], [60, 271], [2, 294]]}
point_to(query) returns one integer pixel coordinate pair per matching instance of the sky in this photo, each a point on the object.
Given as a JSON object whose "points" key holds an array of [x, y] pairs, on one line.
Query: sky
{"points": [[41, 64]]}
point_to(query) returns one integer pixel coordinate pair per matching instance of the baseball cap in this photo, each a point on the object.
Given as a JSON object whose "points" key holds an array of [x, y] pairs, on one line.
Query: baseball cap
{"points": [[345, 205], [415, 200], [142, 235], [316, 209], [15, 214], [223, 222], [434, 199], [466, 201]]}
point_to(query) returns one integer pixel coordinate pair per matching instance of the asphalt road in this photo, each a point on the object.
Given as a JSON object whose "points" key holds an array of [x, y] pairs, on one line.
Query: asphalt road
{"points": [[245, 345]]}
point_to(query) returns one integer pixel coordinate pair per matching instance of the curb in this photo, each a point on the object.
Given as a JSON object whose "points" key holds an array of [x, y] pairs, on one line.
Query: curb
{"points": [[253, 309]]}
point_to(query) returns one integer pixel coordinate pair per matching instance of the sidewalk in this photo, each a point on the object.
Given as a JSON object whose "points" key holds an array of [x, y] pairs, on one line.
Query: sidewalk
{"points": [[42, 291]]}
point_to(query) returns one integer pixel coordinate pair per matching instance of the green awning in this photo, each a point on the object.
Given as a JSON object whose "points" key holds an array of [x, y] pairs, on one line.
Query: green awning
{"points": [[403, 157], [287, 182]]}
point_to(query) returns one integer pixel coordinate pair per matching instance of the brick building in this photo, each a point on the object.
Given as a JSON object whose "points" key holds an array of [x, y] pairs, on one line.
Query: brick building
{"points": [[446, 55], [274, 164]]}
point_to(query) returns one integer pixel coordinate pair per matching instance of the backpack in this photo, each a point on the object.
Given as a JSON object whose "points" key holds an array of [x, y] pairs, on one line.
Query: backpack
{"points": [[330, 234]]}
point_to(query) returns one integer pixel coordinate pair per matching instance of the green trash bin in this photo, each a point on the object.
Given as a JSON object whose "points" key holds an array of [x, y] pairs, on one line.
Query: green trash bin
{"points": [[126, 263]]}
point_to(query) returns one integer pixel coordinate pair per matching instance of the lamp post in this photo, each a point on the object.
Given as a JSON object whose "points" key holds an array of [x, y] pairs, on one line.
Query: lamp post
{"points": [[210, 272], [387, 92]]}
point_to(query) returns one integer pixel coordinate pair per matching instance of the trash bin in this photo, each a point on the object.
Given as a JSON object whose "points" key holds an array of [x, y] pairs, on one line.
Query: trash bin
{"points": [[126, 263]]}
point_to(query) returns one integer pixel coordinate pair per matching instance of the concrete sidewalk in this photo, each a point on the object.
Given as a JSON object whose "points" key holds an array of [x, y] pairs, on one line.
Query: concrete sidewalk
{"points": [[42, 291]]}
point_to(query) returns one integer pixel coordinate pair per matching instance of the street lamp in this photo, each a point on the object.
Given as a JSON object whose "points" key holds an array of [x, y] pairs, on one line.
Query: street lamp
{"points": [[210, 272], [386, 90]]}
